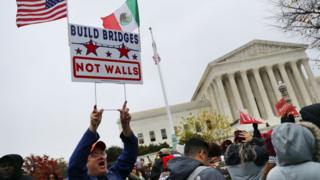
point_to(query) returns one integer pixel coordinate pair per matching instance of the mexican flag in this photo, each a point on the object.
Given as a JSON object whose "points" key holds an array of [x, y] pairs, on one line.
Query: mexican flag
{"points": [[126, 18]]}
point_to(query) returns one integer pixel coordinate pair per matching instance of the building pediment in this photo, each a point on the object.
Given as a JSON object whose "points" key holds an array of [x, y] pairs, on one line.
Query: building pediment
{"points": [[257, 48]]}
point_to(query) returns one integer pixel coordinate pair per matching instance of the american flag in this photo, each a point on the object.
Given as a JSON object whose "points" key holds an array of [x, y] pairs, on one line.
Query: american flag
{"points": [[39, 11]]}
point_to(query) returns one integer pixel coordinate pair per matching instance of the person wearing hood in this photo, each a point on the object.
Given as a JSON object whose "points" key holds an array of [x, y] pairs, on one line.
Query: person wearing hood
{"points": [[194, 164], [294, 147], [311, 120], [245, 159], [10, 168]]}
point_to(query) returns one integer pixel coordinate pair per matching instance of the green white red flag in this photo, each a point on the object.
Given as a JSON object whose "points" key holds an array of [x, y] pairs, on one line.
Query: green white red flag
{"points": [[125, 18]]}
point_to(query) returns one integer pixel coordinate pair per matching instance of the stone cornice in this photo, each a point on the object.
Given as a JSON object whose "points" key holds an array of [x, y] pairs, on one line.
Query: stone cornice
{"points": [[174, 109]]}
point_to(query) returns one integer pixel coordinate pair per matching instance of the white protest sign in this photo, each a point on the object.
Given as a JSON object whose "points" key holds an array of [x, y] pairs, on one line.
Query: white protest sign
{"points": [[102, 55]]}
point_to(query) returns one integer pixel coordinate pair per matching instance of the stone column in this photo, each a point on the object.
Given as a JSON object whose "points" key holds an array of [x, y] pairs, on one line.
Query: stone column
{"points": [[217, 96], [288, 83], [301, 85], [274, 83], [223, 96], [211, 95], [263, 93], [311, 79], [249, 92], [235, 91]]}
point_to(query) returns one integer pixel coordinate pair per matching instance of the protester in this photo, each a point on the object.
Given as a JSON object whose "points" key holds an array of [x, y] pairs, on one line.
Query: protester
{"points": [[160, 163], [245, 159], [294, 147], [216, 161], [135, 174], [311, 120], [311, 114], [11, 168], [88, 160], [224, 145], [53, 176], [194, 164]]}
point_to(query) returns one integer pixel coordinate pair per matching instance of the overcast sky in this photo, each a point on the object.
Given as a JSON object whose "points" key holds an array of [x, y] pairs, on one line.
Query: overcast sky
{"points": [[43, 112]]}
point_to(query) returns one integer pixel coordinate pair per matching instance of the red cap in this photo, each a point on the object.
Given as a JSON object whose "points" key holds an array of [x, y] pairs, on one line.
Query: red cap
{"points": [[98, 145]]}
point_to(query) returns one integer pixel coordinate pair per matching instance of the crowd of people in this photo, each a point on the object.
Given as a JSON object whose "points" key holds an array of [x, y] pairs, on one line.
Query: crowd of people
{"points": [[289, 151]]}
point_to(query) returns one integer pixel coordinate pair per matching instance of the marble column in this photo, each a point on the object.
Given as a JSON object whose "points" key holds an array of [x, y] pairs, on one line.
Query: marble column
{"points": [[211, 96], [226, 107], [235, 91], [311, 79], [217, 96], [286, 80], [302, 87], [274, 82], [249, 93], [263, 93]]}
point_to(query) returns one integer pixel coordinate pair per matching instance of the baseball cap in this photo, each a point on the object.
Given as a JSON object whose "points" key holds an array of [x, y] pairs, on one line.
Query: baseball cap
{"points": [[98, 145]]}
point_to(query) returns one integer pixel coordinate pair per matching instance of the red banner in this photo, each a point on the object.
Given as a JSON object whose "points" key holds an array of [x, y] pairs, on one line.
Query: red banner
{"points": [[283, 108], [247, 119]]}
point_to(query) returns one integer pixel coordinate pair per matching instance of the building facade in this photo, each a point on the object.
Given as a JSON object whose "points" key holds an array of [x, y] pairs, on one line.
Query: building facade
{"points": [[244, 79]]}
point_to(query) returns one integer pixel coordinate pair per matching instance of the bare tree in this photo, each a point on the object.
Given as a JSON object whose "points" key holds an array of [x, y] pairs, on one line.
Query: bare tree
{"points": [[300, 16]]}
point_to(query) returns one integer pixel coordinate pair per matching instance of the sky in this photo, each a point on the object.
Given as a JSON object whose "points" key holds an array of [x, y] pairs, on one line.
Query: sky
{"points": [[43, 112]]}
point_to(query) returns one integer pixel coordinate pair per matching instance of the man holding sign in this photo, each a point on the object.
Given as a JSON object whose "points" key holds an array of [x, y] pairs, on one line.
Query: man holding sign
{"points": [[89, 159]]}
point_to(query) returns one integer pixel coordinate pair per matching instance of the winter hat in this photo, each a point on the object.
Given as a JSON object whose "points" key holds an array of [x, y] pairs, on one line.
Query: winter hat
{"points": [[311, 114], [12, 159], [287, 118]]}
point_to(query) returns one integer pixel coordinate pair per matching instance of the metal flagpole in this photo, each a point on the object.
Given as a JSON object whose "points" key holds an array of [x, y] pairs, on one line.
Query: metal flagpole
{"points": [[157, 60]]}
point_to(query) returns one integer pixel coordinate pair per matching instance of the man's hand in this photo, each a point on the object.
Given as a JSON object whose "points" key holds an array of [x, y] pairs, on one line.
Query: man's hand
{"points": [[125, 119], [247, 137], [95, 119]]}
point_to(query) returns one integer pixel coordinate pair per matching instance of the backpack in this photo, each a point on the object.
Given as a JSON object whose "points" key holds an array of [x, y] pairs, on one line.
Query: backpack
{"points": [[166, 175]]}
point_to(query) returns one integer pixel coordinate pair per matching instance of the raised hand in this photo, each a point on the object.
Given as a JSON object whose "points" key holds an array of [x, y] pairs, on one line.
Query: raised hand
{"points": [[247, 136], [95, 119], [125, 119]]}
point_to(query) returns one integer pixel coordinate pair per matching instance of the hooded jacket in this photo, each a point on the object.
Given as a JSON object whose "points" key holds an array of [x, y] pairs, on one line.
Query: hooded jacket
{"points": [[294, 147], [245, 161], [182, 167]]}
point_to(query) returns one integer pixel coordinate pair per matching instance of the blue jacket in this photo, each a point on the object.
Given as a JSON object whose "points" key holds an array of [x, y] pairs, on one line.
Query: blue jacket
{"points": [[77, 169]]}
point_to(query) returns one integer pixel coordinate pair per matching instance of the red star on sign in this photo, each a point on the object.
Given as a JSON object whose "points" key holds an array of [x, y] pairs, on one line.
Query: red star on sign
{"points": [[123, 51], [91, 47]]}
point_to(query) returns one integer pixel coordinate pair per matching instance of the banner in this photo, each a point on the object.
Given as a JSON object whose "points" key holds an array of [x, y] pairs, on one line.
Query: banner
{"points": [[283, 108], [102, 55]]}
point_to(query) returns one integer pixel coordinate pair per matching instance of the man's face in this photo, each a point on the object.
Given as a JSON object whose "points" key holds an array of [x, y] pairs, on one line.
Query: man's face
{"points": [[6, 170], [203, 157], [97, 163]]}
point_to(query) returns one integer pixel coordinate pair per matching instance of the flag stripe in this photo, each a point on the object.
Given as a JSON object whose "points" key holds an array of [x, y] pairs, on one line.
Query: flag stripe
{"points": [[42, 13], [32, 18], [133, 6], [30, 4], [37, 11], [20, 24]]}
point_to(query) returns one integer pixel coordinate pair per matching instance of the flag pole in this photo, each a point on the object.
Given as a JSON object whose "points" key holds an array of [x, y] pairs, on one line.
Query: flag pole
{"points": [[157, 60]]}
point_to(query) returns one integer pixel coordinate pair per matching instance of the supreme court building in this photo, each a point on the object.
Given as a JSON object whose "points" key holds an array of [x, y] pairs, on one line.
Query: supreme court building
{"points": [[245, 79]]}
